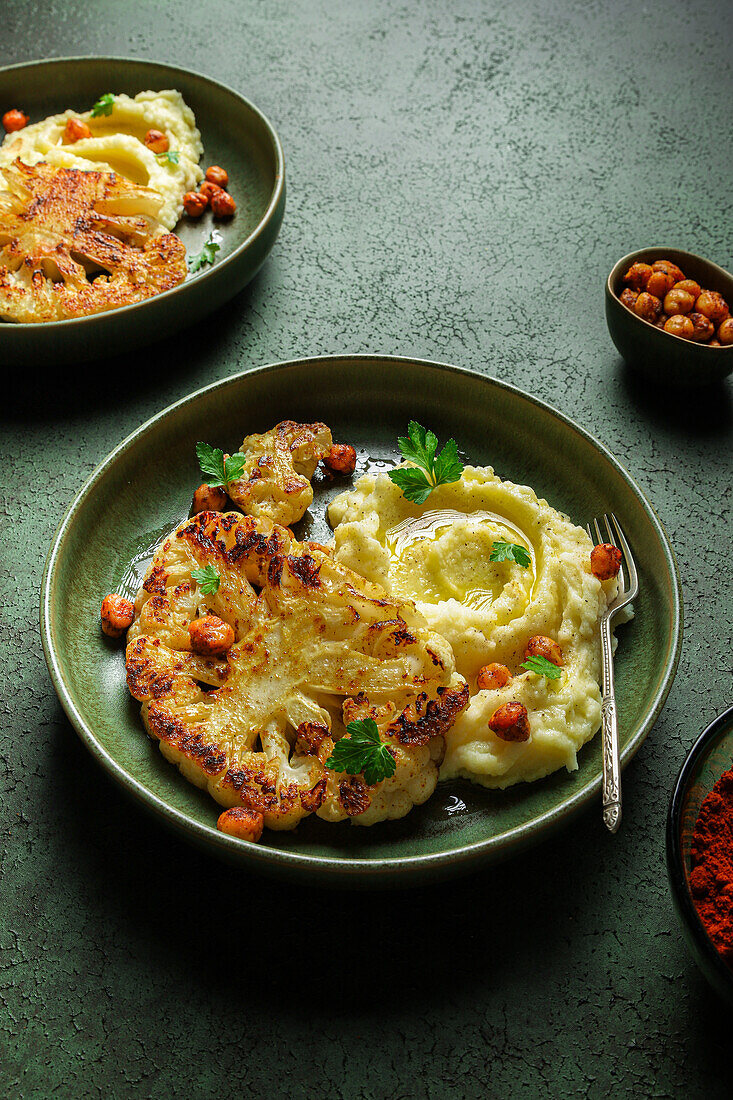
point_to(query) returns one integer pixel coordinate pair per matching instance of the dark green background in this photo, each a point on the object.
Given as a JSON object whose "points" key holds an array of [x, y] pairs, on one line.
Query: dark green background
{"points": [[461, 179]]}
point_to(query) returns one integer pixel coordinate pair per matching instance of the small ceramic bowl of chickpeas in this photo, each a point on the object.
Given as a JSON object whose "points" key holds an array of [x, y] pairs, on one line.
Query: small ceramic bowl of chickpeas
{"points": [[669, 315]]}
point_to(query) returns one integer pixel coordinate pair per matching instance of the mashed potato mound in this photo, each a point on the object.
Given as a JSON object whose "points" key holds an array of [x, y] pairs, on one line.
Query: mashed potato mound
{"points": [[118, 144], [438, 555]]}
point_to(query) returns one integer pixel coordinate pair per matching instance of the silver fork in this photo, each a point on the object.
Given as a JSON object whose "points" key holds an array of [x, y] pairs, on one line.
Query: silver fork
{"points": [[609, 721]]}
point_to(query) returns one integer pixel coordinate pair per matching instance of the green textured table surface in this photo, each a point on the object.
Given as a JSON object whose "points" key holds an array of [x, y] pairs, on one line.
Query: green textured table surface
{"points": [[461, 178]]}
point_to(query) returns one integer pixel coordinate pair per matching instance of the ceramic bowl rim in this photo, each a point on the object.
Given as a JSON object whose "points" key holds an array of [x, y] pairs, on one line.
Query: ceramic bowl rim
{"points": [[337, 867], [276, 195], [663, 250], [675, 859]]}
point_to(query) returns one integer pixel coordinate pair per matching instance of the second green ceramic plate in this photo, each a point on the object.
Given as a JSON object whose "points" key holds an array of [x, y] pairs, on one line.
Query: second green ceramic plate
{"points": [[144, 488]]}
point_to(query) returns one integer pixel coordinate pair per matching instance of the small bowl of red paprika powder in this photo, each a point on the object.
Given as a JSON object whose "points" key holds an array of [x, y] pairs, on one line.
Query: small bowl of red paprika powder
{"points": [[700, 852]]}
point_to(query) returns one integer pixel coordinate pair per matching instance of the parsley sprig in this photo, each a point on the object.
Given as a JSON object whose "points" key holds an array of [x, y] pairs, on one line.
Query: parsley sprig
{"points": [[509, 551], [419, 446], [207, 255], [104, 105], [171, 156], [207, 579], [215, 469], [363, 751], [542, 667]]}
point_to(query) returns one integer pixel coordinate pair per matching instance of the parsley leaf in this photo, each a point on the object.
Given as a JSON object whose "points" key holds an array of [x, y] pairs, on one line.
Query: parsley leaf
{"points": [[215, 469], [104, 105], [170, 155], [207, 578], [363, 751], [207, 255], [420, 446], [509, 551], [542, 667]]}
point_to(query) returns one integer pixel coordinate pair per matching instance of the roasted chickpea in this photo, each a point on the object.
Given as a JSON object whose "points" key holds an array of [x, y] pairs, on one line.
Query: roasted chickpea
{"points": [[493, 676], [241, 822], [210, 636], [690, 286], [217, 175], [702, 327], [678, 301], [542, 646], [725, 332], [117, 615], [156, 141], [510, 722], [679, 325], [208, 190], [14, 120], [605, 561], [628, 297], [209, 498], [341, 459], [661, 320], [647, 306], [223, 204], [669, 268], [194, 204], [713, 305], [638, 276], [76, 130], [659, 283]]}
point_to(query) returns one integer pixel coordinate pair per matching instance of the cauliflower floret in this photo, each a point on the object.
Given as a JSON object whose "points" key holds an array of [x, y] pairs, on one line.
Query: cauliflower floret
{"points": [[280, 463], [314, 639]]}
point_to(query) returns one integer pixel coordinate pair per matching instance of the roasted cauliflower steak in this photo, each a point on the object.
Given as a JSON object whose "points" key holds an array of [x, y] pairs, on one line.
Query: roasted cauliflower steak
{"points": [[276, 482], [316, 646], [74, 243]]}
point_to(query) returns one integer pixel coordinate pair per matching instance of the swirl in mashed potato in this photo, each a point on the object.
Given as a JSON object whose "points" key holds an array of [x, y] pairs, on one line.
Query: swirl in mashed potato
{"points": [[438, 555]]}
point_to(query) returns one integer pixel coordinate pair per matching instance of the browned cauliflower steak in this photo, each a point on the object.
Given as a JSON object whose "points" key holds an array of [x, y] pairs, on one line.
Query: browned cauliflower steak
{"points": [[280, 464], [315, 647], [74, 243]]}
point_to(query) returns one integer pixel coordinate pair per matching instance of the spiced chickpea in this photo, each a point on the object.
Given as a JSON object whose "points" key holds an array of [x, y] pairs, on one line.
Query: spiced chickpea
{"points": [[76, 130], [713, 305], [542, 646], [647, 306], [208, 190], [243, 823], [678, 301], [725, 332], [690, 286], [628, 297], [208, 498], [605, 561], [157, 142], [210, 636], [661, 320], [670, 269], [194, 204], [217, 175], [14, 120], [117, 615], [222, 204], [510, 722], [493, 676], [679, 325], [659, 283], [341, 459], [638, 276], [702, 327]]}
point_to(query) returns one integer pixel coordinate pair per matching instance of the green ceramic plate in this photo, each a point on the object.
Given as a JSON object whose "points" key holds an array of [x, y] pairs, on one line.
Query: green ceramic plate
{"points": [[234, 134], [144, 488]]}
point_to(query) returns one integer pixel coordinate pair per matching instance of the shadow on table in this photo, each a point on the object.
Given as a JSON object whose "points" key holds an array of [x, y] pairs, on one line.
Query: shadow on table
{"points": [[702, 413], [51, 393]]}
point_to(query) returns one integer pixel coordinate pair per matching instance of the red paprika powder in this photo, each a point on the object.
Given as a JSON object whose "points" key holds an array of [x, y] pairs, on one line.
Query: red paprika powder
{"points": [[711, 878]]}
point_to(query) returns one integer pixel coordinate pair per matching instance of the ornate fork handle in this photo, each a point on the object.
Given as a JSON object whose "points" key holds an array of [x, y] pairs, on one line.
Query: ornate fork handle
{"points": [[609, 731]]}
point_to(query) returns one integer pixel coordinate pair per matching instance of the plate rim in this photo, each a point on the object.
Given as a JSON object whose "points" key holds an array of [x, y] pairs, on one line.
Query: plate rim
{"points": [[270, 859], [276, 196]]}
